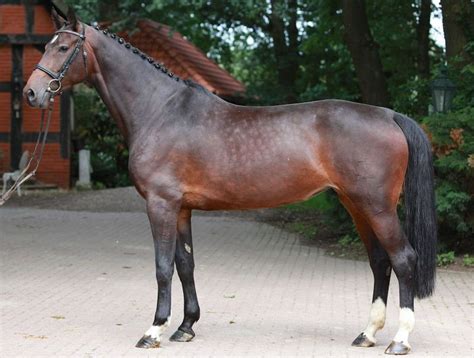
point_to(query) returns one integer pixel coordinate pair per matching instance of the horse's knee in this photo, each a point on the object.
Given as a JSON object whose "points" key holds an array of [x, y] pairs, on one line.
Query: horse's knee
{"points": [[164, 273]]}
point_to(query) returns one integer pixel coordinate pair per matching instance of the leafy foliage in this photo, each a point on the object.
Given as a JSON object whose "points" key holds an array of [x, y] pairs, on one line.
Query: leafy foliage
{"points": [[97, 132], [452, 135], [445, 258], [468, 260]]}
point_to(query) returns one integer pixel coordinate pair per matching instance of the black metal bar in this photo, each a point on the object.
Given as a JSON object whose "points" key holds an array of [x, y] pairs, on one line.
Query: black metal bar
{"points": [[31, 137], [24, 39], [65, 138], [16, 100]]}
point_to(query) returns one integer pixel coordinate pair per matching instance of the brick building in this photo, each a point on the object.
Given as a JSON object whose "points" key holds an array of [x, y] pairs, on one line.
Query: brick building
{"points": [[25, 27]]}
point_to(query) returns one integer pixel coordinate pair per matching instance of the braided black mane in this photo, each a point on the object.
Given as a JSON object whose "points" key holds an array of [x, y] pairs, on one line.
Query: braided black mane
{"points": [[157, 65]]}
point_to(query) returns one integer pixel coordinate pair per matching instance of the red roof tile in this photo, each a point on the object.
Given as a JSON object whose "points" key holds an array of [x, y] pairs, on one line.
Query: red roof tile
{"points": [[183, 58]]}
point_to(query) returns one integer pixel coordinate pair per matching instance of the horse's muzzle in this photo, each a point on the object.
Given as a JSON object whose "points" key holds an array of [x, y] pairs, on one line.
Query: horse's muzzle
{"points": [[30, 96], [34, 99]]}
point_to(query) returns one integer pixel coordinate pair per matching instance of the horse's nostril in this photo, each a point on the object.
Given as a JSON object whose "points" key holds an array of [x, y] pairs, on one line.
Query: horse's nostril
{"points": [[31, 94]]}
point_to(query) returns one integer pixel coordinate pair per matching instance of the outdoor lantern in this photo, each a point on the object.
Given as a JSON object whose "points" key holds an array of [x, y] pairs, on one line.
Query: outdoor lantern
{"points": [[442, 90]]}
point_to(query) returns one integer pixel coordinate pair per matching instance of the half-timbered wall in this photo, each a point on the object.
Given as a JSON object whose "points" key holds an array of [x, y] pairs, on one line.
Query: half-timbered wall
{"points": [[25, 27]]}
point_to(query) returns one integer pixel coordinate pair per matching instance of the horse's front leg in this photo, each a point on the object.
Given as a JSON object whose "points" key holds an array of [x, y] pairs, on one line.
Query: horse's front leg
{"points": [[163, 216], [185, 265]]}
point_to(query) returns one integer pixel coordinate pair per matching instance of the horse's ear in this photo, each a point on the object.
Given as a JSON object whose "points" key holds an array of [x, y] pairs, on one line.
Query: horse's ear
{"points": [[58, 20], [71, 18]]}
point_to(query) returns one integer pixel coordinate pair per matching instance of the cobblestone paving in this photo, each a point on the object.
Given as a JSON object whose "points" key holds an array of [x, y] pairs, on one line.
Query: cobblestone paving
{"points": [[79, 284]]}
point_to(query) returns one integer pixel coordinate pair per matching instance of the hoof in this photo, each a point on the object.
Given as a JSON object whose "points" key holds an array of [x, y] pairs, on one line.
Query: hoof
{"points": [[148, 342], [398, 348], [181, 336], [362, 341]]}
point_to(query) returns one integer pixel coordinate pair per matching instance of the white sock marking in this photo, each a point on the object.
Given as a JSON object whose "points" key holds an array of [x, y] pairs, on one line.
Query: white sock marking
{"points": [[155, 332], [407, 323], [376, 319]]}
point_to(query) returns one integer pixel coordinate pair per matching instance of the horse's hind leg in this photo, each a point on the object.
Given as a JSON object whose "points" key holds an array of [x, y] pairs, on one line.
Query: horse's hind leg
{"points": [[184, 260], [386, 227], [381, 269]]}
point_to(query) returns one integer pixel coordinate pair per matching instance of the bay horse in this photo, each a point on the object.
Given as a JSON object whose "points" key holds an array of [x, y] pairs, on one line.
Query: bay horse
{"points": [[189, 149]]}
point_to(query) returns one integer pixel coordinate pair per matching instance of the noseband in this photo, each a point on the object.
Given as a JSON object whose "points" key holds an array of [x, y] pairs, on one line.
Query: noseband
{"points": [[54, 86]]}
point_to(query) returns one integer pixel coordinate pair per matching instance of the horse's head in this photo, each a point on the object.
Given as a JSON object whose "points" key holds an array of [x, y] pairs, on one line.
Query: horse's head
{"points": [[63, 64]]}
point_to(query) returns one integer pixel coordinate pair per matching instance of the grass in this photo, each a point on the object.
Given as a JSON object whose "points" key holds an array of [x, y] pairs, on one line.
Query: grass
{"points": [[321, 202], [307, 230]]}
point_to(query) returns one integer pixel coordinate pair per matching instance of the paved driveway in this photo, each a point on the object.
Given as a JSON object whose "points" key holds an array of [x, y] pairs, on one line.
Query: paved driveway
{"points": [[82, 284]]}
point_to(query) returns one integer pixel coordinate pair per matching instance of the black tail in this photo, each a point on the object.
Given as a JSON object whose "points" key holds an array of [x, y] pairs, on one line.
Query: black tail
{"points": [[419, 200]]}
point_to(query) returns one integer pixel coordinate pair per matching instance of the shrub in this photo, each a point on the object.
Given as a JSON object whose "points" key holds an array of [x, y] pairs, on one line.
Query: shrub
{"points": [[98, 132], [468, 261], [452, 136], [445, 259]]}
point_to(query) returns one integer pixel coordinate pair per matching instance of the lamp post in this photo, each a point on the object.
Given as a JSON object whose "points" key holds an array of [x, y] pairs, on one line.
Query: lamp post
{"points": [[442, 91]]}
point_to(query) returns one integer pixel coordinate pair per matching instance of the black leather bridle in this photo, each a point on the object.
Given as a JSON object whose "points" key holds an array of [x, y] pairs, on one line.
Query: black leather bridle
{"points": [[55, 85]]}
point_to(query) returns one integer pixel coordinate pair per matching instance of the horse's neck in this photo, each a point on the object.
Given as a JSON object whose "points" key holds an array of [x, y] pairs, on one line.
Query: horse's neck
{"points": [[128, 85]]}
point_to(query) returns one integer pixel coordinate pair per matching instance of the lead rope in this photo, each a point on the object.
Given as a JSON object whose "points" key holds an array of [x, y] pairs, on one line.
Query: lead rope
{"points": [[36, 156]]}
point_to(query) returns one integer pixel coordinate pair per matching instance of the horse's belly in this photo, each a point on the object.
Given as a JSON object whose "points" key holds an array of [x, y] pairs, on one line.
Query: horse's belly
{"points": [[261, 190]]}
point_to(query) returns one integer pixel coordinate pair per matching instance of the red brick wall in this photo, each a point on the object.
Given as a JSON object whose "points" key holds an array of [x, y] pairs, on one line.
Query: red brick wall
{"points": [[5, 112], [12, 19], [31, 56], [43, 23], [32, 116], [5, 63], [4, 157], [53, 169]]}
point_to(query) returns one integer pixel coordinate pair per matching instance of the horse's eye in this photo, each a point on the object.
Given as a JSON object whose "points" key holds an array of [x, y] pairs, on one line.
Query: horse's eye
{"points": [[63, 48]]}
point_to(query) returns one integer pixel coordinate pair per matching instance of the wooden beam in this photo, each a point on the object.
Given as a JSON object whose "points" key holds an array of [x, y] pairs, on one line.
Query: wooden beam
{"points": [[16, 110], [30, 17], [31, 137], [24, 39], [21, 2], [5, 87]]}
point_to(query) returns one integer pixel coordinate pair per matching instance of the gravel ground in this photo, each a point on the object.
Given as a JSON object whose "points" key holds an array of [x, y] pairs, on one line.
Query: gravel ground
{"points": [[108, 200]]}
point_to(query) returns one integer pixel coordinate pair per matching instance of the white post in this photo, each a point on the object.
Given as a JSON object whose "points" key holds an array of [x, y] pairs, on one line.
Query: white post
{"points": [[85, 169]]}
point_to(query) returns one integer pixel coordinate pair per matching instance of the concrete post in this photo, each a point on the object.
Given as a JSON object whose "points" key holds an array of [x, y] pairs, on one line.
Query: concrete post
{"points": [[85, 169]]}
